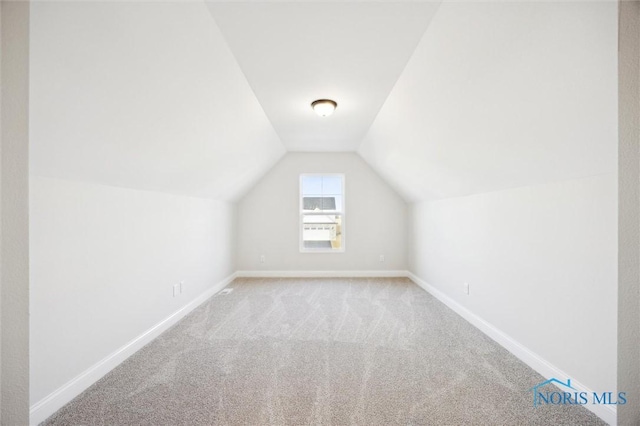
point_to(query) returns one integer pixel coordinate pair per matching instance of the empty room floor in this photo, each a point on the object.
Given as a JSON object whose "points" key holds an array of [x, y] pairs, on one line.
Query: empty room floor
{"points": [[319, 351]]}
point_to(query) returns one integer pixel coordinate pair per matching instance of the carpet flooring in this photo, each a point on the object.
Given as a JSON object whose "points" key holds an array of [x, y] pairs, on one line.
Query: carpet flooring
{"points": [[365, 351]]}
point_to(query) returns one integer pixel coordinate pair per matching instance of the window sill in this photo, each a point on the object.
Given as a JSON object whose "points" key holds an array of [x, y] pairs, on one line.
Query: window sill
{"points": [[321, 251]]}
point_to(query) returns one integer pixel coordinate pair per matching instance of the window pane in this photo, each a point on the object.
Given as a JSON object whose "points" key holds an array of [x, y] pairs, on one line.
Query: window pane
{"points": [[322, 231], [311, 185], [337, 202], [332, 185], [322, 203], [312, 202]]}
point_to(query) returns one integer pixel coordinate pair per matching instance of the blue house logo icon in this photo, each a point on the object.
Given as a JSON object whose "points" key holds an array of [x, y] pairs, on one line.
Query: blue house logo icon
{"points": [[537, 394]]}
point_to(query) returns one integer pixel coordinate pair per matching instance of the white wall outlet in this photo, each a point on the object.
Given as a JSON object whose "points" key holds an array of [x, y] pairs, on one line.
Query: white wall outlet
{"points": [[466, 288], [381, 258], [263, 259], [181, 286], [176, 289]]}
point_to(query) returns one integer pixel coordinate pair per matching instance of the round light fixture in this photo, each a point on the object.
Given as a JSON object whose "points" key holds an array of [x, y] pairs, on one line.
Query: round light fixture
{"points": [[324, 107]]}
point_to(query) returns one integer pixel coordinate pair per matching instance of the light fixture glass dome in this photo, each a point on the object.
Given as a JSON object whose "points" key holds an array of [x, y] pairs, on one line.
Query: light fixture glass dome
{"points": [[324, 107]]}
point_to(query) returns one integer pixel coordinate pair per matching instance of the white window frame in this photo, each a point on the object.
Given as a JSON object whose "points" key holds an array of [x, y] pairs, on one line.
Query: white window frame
{"points": [[302, 213]]}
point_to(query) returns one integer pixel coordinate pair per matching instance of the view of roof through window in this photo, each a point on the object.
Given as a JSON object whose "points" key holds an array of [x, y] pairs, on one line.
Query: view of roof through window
{"points": [[322, 192], [322, 213]]}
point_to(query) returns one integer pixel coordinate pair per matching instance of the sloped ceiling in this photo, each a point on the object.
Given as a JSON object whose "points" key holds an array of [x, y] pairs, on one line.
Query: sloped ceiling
{"points": [[500, 95], [294, 53], [153, 95], [144, 95]]}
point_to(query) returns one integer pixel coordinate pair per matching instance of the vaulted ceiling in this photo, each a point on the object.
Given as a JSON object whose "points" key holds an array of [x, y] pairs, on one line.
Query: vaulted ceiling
{"points": [[501, 95], [442, 100], [294, 53], [145, 95]]}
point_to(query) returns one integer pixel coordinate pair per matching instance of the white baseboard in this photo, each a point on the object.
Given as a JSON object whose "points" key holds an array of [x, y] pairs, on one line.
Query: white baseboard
{"points": [[533, 360], [322, 274], [44, 408], [48, 405]]}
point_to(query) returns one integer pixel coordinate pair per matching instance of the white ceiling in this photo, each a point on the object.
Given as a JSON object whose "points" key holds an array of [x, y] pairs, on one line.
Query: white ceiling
{"points": [[441, 100], [501, 95], [293, 53], [143, 95]]}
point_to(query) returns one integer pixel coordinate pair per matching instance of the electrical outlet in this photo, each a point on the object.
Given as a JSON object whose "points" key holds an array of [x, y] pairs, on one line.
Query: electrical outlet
{"points": [[381, 258], [466, 288], [176, 289], [263, 259], [181, 286]]}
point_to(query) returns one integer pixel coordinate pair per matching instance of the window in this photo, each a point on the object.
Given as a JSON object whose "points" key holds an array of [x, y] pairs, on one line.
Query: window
{"points": [[322, 213]]}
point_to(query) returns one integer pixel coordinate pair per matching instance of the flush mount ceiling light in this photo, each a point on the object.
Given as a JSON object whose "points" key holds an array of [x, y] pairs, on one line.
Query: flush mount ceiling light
{"points": [[324, 107]]}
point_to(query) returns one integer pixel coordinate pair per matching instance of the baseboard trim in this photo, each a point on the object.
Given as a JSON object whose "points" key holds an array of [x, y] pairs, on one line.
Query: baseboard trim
{"points": [[48, 405], [533, 360], [44, 408], [323, 274]]}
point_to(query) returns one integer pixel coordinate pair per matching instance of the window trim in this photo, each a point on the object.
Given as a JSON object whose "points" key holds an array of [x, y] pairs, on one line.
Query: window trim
{"points": [[302, 213]]}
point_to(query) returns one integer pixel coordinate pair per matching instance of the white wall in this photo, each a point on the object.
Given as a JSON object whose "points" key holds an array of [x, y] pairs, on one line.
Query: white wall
{"points": [[541, 262], [268, 218], [103, 263], [128, 98], [628, 217], [503, 128], [14, 203]]}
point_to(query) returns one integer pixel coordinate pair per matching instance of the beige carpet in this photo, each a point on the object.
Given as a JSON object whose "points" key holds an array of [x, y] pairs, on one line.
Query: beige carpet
{"points": [[323, 352]]}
